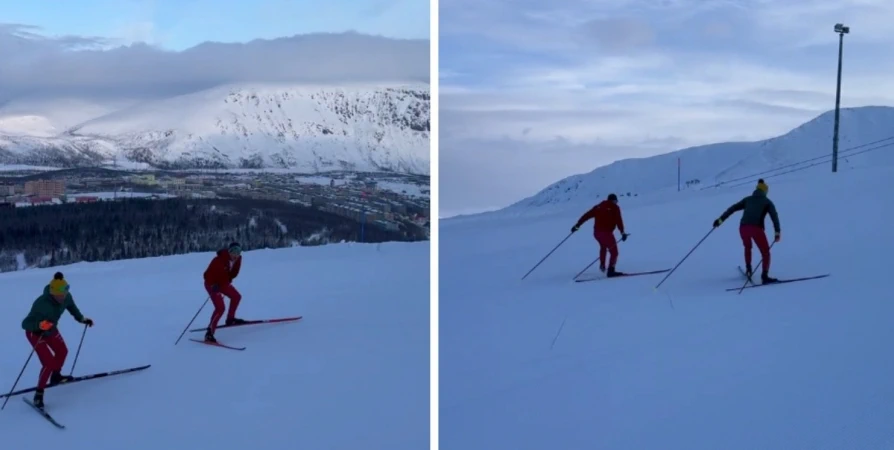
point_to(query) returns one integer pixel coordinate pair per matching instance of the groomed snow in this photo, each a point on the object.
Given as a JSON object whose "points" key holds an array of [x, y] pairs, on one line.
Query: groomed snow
{"points": [[547, 363], [353, 373]]}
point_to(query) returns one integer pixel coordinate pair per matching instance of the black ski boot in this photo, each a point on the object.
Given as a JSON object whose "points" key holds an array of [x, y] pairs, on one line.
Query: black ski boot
{"points": [[613, 273], [38, 398], [766, 279], [235, 322], [209, 337], [58, 378], [749, 272]]}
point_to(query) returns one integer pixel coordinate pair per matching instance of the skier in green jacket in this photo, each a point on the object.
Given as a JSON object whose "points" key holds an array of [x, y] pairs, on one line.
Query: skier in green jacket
{"points": [[42, 332], [755, 209]]}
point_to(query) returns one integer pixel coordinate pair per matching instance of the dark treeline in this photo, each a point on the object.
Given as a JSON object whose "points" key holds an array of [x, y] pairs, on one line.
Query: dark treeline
{"points": [[51, 235]]}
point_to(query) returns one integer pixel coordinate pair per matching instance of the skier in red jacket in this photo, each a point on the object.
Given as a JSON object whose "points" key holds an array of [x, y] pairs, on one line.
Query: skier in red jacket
{"points": [[607, 217], [219, 276]]}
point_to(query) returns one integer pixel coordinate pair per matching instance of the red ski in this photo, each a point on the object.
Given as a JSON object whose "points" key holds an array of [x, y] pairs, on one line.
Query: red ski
{"points": [[252, 322], [623, 275], [216, 344]]}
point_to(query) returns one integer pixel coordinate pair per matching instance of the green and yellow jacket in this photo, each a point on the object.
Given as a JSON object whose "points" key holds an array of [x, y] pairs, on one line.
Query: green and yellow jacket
{"points": [[755, 209], [47, 308]]}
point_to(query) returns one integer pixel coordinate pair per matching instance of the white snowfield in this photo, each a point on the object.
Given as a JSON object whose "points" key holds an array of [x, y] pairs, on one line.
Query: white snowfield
{"points": [[547, 363], [353, 373], [313, 128]]}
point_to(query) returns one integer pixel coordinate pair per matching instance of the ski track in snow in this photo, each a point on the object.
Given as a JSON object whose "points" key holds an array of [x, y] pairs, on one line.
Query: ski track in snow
{"points": [[804, 365], [353, 373]]}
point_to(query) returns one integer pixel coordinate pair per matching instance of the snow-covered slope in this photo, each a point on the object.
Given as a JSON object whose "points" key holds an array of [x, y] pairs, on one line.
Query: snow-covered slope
{"points": [[547, 363], [27, 125], [704, 166], [301, 127], [353, 373]]}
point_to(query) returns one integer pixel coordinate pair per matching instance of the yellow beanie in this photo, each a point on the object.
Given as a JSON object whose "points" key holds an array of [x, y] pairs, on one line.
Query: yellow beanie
{"points": [[58, 287], [762, 186]]}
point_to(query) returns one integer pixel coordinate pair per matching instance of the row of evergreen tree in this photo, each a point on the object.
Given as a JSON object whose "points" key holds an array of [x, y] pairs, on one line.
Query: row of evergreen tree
{"points": [[45, 236]]}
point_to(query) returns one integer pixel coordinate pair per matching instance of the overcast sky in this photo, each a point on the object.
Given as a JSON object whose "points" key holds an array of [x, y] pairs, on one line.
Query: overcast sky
{"points": [[126, 48], [180, 24], [534, 91]]}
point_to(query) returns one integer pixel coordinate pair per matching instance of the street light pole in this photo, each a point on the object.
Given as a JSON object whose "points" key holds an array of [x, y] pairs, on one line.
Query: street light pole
{"points": [[841, 30]]}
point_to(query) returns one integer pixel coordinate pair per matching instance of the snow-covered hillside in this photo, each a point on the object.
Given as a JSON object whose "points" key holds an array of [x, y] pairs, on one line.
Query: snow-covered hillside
{"points": [[302, 127], [866, 138], [352, 373], [547, 363]]}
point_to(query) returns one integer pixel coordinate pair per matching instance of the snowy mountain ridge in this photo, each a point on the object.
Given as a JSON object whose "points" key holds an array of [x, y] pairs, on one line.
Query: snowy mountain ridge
{"points": [[866, 138], [301, 127]]}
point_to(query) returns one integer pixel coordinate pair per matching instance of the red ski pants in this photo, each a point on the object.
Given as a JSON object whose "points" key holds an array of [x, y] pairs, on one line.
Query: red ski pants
{"points": [[219, 307], [752, 233], [52, 351], [607, 244]]}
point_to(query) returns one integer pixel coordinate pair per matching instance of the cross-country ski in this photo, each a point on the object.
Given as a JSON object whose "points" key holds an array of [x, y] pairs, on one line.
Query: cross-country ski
{"points": [[80, 378], [216, 344], [251, 322], [43, 413], [781, 281], [618, 275]]}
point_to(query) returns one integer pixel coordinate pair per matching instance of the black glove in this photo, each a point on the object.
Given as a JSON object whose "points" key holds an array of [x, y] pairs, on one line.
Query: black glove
{"points": [[624, 237], [575, 228], [88, 322], [215, 288], [717, 223]]}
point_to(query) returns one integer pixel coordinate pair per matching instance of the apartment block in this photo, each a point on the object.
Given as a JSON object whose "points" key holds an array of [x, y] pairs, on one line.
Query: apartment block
{"points": [[45, 188]]}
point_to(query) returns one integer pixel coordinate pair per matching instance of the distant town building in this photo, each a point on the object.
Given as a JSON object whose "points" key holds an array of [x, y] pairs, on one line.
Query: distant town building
{"points": [[45, 188], [145, 179], [40, 200]]}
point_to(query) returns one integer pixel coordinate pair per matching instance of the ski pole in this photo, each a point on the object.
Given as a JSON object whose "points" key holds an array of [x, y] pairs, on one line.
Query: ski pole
{"points": [[684, 258], [19, 377], [547, 255], [590, 265], [78, 353], [585, 268], [193, 319], [758, 264]]}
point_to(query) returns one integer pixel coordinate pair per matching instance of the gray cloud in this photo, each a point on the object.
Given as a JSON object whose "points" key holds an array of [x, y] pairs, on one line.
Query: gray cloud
{"points": [[618, 34], [549, 89], [81, 66]]}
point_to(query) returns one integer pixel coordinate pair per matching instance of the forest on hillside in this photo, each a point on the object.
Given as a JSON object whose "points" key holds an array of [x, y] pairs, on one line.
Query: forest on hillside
{"points": [[45, 236]]}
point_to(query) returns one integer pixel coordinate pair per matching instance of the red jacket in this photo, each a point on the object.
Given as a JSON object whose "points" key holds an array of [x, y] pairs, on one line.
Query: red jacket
{"points": [[219, 271], [607, 216]]}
